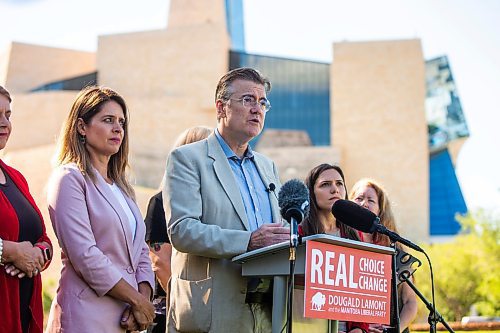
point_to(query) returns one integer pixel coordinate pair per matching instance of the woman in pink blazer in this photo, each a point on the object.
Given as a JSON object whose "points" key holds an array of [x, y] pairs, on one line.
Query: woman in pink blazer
{"points": [[106, 279]]}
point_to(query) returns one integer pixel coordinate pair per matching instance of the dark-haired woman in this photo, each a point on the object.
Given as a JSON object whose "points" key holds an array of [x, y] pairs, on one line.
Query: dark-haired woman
{"points": [[326, 184]]}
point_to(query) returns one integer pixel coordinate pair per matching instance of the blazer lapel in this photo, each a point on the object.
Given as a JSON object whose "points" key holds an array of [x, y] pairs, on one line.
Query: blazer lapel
{"points": [[109, 196], [268, 177], [226, 178], [140, 234]]}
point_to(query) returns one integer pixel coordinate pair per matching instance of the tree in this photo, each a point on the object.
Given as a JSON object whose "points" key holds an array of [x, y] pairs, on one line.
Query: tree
{"points": [[465, 269]]}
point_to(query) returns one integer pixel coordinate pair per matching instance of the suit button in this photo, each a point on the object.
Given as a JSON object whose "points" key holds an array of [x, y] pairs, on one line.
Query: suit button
{"points": [[130, 270]]}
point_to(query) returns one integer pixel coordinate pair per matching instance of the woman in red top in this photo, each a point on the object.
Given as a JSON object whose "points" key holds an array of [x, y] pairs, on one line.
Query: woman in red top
{"points": [[369, 194], [25, 249], [326, 184]]}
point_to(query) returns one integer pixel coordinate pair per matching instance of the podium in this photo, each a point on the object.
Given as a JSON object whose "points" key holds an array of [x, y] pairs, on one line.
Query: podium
{"points": [[273, 262]]}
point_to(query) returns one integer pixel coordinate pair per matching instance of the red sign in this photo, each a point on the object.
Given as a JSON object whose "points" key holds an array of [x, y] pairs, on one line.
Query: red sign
{"points": [[348, 284]]}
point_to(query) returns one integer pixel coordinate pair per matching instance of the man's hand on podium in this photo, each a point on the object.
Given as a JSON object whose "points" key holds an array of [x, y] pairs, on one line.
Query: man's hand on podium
{"points": [[268, 234]]}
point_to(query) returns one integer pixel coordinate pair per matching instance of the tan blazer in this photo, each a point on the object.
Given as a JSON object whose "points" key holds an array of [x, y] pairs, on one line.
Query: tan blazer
{"points": [[97, 251], [208, 227]]}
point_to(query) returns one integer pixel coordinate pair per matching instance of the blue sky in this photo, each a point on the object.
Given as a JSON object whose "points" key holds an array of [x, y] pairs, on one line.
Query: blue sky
{"points": [[467, 31]]}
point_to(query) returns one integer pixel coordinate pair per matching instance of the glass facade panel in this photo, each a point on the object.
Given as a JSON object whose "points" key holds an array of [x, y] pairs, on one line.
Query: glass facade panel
{"points": [[446, 198], [75, 83], [444, 113], [235, 24], [300, 94]]}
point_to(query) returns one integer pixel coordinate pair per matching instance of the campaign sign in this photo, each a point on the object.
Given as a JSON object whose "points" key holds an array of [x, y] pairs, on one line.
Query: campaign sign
{"points": [[347, 284]]}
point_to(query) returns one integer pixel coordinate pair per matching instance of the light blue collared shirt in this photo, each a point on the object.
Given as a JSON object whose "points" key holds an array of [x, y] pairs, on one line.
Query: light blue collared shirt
{"points": [[252, 188]]}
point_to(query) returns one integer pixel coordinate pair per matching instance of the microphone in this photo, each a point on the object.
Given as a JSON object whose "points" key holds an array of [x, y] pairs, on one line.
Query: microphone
{"points": [[293, 199], [364, 220]]}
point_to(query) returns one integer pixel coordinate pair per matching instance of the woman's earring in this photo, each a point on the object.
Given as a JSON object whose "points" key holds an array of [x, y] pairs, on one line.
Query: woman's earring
{"points": [[83, 139]]}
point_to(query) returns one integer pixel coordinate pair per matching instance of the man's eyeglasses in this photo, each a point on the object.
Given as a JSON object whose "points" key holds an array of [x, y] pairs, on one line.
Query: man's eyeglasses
{"points": [[251, 102]]}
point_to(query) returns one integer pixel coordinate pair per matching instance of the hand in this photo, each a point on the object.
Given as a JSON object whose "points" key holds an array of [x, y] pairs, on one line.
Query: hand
{"points": [[376, 328], [141, 308], [14, 271], [143, 311], [128, 321], [28, 259], [268, 234]]}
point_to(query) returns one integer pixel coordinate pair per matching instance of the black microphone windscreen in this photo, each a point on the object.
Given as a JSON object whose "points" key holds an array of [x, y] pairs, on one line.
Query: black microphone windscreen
{"points": [[354, 215], [293, 199]]}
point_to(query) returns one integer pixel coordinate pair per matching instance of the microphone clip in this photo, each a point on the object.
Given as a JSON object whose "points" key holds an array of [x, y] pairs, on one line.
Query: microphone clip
{"points": [[271, 188]]}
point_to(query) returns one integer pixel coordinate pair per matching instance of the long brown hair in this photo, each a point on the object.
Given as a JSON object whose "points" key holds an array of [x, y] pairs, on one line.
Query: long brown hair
{"points": [[386, 215], [312, 225], [71, 149]]}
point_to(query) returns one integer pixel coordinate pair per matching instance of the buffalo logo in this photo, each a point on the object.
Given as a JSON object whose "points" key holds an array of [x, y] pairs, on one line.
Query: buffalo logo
{"points": [[318, 301]]}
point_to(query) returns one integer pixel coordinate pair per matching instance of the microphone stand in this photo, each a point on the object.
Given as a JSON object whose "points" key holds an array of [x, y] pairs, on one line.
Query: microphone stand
{"points": [[434, 315], [294, 242], [394, 287]]}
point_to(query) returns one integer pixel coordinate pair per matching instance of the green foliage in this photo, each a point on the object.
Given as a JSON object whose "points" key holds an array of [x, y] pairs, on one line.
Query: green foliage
{"points": [[47, 296], [466, 270]]}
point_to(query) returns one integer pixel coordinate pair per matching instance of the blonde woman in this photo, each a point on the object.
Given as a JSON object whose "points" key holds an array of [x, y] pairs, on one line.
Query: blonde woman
{"points": [[106, 280], [371, 195]]}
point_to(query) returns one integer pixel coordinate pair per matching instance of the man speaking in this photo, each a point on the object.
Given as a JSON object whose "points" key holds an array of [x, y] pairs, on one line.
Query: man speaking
{"points": [[222, 201]]}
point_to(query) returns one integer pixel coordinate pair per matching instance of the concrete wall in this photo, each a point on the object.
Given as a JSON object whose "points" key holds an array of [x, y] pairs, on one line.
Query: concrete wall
{"points": [[177, 63], [4, 64], [379, 125], [37, 118], [185, 13], [284, 138], [155, 124], [454, 148], [295, 162], [33, 65]]}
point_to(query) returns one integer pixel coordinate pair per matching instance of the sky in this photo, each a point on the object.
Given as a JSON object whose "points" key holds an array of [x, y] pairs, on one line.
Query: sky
{"points": [[467, 31]]}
